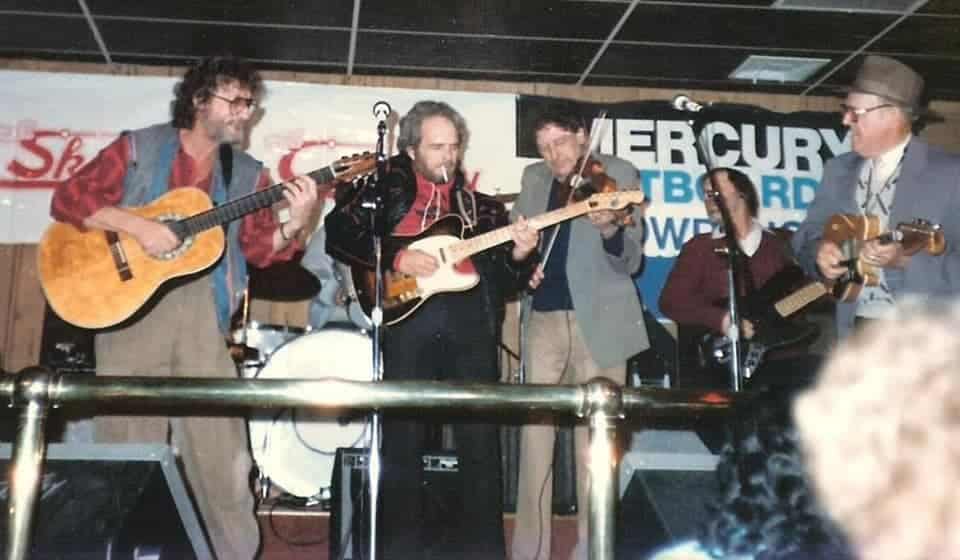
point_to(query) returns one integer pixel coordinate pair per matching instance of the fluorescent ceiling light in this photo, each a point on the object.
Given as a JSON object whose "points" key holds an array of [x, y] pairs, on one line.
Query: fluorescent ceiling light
{"points": [[760, 68], [859, 6]]}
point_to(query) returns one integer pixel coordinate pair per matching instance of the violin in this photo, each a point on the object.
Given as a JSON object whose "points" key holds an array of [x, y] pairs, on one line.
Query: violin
{"points": [[591, 179]]}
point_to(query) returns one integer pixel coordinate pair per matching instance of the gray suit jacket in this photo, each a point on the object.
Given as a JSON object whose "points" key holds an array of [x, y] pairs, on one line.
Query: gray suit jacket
{"points": [[928, 188], [605, 299]]}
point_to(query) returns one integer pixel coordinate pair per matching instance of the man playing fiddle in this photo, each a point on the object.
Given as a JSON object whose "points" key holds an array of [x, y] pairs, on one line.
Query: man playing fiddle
{"points": [[584, 318]]}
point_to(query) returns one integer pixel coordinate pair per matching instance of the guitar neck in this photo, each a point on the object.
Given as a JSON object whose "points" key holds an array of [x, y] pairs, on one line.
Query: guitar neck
{"points": [[242, 206], [469, 247], [800, 299]]}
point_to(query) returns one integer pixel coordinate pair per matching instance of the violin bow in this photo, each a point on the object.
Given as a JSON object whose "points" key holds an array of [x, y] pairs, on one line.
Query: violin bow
{"points": [[592, 143]]}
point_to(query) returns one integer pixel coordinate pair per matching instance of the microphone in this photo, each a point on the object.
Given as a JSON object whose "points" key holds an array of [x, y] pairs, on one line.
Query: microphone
{"points": [[381, 110], [684, 103]]}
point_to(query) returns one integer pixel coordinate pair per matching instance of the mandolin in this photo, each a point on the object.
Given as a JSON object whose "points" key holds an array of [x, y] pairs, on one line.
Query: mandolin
{"points": [[851, 231]]}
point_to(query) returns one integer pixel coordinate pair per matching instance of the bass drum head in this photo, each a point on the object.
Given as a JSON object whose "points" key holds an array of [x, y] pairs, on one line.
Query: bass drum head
{"points": [[296, 448]]}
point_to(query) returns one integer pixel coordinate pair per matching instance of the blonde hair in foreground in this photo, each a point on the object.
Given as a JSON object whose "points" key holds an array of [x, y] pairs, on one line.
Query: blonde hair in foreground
{"points": [[880, 432]]}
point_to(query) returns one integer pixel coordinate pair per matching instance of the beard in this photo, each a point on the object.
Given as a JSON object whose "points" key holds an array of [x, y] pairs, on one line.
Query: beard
{"points": [[434, 174], [227, 131]]}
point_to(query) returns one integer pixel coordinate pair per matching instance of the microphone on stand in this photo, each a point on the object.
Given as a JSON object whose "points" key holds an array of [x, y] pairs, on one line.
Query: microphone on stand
{"points": [[381, 110], [684, 103]]}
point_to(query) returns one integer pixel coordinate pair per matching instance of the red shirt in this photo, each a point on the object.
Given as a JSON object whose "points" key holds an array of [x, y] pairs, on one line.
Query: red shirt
{"points": [[698, 282], [100, 184], [431, 203]]}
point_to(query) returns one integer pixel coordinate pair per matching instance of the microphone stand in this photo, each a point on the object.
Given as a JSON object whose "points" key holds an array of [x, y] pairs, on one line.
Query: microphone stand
{"points": [[734, 284], [375, 200]]}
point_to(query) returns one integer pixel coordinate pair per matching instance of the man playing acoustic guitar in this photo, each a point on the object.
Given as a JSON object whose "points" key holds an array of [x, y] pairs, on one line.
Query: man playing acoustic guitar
{"points": [[895, 177], [182, 332]]}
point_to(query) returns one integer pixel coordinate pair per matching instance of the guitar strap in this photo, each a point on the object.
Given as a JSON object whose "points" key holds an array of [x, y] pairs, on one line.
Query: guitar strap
{"points": [[226, 164]]}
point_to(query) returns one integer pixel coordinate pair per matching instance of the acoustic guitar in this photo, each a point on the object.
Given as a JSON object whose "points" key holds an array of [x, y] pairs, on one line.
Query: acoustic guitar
{"points": [[403, 294], [851, 231], [97, 278]]}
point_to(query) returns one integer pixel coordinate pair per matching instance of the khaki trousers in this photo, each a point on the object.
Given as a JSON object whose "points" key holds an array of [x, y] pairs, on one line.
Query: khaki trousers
{"points": [[556, 353], [180, 337]]}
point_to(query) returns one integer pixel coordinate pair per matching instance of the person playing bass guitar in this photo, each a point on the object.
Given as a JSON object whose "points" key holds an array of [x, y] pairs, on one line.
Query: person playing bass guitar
{"points": [[695, 292]]}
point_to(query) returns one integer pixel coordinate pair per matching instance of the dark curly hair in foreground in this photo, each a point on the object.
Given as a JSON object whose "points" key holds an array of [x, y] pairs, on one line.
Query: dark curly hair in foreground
{"points": [[766, 509], [202, 79]]}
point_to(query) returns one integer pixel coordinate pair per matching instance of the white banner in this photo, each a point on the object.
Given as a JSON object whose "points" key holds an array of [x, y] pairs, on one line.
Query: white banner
{"points": [[52, 124]]}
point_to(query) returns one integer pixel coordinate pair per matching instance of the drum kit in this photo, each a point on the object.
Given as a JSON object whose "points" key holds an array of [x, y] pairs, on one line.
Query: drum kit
{"points": [[294, 450]]}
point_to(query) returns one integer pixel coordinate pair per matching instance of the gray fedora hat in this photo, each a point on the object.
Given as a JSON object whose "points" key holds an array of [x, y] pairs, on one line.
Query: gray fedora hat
{"points": [[892, 80]]}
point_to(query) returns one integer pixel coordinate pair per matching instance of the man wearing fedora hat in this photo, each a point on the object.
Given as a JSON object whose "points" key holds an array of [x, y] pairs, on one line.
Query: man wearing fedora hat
{"points": [[895, 176]]}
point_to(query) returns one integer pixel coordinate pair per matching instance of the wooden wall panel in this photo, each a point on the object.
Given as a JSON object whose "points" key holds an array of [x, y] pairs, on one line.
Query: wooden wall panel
{"points": [[23, 301], [7, 275]]}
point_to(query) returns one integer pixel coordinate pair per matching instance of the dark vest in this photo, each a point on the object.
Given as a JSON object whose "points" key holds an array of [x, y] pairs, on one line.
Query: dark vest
{"points": [[146, 145]]}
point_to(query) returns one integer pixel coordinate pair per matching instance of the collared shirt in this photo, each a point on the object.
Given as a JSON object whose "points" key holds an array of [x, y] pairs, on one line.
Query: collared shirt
{"points": [[749, 244], [874, 196]]}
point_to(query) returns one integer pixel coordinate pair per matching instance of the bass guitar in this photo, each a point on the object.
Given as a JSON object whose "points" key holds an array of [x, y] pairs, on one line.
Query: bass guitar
{"points": [[851, 231], [403, 294], [769, 312], [96, 278]]}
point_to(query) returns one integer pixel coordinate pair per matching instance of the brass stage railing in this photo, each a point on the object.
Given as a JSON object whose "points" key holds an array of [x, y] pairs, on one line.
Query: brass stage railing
{"points": [[601, 402]]}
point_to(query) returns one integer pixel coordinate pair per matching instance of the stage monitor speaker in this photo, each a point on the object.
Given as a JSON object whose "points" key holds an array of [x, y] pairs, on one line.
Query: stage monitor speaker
{"points": [[666, 480], [106, 501], [349, 524], [564, 469]]}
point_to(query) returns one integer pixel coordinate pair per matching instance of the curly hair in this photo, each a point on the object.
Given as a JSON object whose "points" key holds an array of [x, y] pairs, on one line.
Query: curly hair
{"points": [[881, 434], [766, 509], [202, 79], [411, 125]]}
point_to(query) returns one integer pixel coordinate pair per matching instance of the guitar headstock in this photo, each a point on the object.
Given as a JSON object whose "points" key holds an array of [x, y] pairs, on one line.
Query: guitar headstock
{"points": [[358, 166], [616, 200], [921, 235]]}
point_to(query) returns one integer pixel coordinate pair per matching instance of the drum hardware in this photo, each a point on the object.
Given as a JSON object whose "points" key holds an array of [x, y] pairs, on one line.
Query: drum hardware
{"points": [[295, 450]]}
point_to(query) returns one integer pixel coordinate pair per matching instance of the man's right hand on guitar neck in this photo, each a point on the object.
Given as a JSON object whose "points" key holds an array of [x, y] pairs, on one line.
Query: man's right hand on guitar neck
{"points": [[415, 262]]}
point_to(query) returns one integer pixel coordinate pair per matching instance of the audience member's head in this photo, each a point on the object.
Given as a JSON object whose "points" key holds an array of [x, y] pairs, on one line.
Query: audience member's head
{"points": [[881, 436], [766, 509]]}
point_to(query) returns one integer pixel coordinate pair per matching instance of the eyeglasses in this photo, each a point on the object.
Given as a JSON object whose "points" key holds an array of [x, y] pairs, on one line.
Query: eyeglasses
{"points": [[238, 104], [857, 112]]}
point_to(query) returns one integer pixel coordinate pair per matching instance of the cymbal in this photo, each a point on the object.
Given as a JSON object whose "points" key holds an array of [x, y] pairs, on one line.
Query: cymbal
{"points": [[506, 198], [283, 281]]}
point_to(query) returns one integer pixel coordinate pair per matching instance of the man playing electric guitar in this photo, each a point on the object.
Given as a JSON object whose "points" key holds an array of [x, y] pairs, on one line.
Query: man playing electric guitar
{"points": [[183, 333], [896, 177], [695, 292], [452, 336]]}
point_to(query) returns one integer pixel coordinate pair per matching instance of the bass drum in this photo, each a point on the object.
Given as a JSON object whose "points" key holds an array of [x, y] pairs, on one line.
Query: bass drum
{"points": [[296, 449]]}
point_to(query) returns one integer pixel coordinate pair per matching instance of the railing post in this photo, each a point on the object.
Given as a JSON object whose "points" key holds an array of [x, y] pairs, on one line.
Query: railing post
{"points": [[31, 393], [603, 407]]}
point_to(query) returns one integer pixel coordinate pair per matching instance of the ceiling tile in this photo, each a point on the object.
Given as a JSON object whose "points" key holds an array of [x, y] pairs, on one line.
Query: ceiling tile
{"points": [[541, 18], [939, 36], [940, 7], [472, 54], [191, 40], [65, 6], [290, 12], [462, 74], [751, 27], [26, 34]]}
